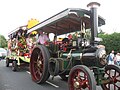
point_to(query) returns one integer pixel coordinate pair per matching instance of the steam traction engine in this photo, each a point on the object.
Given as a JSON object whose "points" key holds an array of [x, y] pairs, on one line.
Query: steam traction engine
{"points": [[80, 60]]}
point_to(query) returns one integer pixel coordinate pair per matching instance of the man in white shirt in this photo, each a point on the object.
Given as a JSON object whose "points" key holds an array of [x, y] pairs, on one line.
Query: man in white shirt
{"points": [[43, 38], [111, 57]]}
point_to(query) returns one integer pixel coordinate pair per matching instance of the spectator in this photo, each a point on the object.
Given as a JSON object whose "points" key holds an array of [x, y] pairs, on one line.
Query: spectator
{"points": [[9, 46], [43, 38], [118, 59], [111, 57]]}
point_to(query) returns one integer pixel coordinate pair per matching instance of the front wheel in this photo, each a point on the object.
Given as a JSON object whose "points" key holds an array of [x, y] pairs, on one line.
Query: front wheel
{"points": [[112, 75], [81, 77]]}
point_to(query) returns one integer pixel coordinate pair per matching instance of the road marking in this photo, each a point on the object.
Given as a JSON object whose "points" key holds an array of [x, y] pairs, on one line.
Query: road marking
{"points": [[7, 87], [52, 84], [28, 72], [47, 81]]}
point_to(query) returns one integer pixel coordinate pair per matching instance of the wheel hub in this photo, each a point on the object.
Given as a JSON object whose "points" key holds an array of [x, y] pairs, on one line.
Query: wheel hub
{"points": [[39, 63], [80, 84], [77, 84]]}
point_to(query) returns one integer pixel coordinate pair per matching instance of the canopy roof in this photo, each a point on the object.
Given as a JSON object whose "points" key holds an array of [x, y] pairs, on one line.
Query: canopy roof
{"points": [[69, 20], [17, 29]]}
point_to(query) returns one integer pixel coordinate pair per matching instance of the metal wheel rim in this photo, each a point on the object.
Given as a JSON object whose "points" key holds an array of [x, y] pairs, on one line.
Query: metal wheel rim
{"points": [[80, 79], [114, 83], [37, 65]]}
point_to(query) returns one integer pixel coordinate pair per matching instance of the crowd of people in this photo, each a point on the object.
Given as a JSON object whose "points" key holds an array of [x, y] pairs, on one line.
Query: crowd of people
{"points": [[114, 58]]}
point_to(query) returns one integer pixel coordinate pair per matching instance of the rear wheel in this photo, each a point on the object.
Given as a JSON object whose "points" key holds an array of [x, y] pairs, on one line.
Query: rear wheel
{"points": [[112, 75], [14, 66], [80, 78], [39, 64], [7, 62]]}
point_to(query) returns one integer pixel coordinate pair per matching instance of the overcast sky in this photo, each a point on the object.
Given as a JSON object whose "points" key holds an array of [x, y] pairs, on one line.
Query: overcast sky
{"points": [[15, 13]]}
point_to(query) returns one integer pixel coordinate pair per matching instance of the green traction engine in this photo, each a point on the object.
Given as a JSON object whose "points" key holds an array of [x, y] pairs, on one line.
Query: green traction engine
{"points": [[80, 60]]}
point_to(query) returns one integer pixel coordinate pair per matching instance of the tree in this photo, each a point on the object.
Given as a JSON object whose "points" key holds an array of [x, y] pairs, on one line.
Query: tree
{"points": [[3, 42], [111, 41]]}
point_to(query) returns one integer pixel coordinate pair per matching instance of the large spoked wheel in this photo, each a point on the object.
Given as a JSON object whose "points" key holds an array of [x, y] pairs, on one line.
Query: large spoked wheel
{"points": [[81, 78], [7, 62], [39, 64], [112, 74]]}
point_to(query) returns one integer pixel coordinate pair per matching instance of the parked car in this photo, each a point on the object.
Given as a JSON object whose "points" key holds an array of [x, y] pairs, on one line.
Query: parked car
{"points": [[3, 53]]}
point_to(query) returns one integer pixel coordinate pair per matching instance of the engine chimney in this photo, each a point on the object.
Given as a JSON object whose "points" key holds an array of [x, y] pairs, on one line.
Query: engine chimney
{"points": [[94, 20]]}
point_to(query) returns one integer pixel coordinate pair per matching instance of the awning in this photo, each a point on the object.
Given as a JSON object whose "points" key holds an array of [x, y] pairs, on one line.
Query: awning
{"points": [[66, 21]]}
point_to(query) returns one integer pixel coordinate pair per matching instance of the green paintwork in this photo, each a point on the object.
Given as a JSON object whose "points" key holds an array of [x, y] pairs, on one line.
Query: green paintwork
{"points": [[66, 61], [73, 55], [99, 73]]}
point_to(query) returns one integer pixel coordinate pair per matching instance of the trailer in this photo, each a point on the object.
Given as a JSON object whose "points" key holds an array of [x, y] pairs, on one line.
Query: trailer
{"points": [[78, 57], [18, 52]]}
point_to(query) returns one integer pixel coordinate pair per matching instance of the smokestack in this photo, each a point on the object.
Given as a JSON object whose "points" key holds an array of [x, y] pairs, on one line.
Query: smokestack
{"points": [[94, 20]]}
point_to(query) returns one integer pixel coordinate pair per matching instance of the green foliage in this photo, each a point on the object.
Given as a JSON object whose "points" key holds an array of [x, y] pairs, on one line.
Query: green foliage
{"points": [[3, 42], [111, 41]]}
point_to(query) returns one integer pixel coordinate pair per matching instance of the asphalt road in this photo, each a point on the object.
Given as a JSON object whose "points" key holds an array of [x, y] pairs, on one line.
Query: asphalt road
{"points": [[21, 80]]}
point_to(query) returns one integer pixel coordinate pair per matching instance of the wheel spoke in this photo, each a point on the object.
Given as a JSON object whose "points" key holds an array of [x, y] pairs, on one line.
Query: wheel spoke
{"points": [[88, 86], [112, 73], [37, 74], [108, 72], [85, 77], [109, 85], [34, 62], [115, 73], [116, 86], [35, 67], [118, 80], [79, 76]]}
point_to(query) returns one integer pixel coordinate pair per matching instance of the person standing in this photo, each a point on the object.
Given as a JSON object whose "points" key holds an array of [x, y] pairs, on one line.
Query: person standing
{"points": [[117, 59], [111, 57]]}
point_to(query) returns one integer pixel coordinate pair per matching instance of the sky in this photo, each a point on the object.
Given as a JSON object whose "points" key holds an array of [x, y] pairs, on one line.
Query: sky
{"points": [[15, 13]]}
